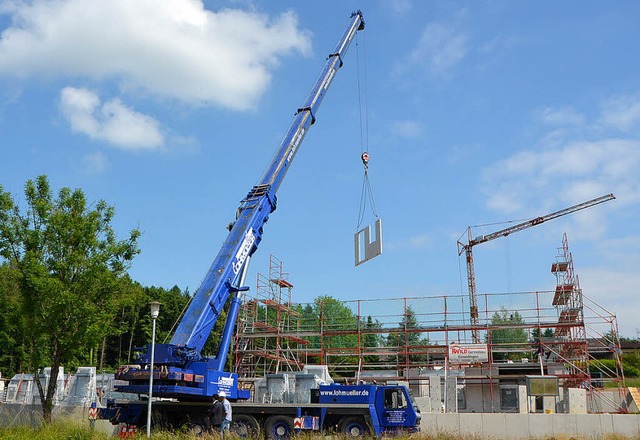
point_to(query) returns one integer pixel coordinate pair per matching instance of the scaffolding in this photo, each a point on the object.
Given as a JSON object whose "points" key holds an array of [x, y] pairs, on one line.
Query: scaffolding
{"points": [[266, 338], [583, 346], [403, 338]]}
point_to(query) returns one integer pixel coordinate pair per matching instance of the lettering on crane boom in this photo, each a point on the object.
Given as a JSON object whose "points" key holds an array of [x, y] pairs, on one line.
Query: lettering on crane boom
{"points": [[243, 252], [296, 141], [327, 82]]}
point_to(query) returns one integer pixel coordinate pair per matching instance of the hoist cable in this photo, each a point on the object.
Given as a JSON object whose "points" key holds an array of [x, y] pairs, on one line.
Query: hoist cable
{"points": [[366, 195], [363, 112], [362, 145], [370, 191]]}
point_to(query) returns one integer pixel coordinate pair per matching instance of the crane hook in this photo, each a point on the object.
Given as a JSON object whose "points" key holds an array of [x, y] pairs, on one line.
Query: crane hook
{"points": [[365, 158]]}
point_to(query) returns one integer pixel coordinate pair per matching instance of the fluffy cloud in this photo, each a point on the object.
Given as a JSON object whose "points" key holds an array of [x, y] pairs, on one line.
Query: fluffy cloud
{"points": [[570, 171], [439, 49], [618, 290], [110, 121], [171, 49], [582, 169], [95, 163], [408, 129], [442, 46], [622, 113], [561, 117]]}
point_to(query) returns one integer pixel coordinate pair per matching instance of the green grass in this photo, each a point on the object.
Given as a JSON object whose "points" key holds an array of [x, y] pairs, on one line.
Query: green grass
{"points": [[67, 430], [632, 381], [74, 430]]}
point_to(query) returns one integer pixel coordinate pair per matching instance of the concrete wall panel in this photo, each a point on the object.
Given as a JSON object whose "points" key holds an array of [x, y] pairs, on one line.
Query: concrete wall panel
{"points": [[471, 424], [494, 425], [606, 423], [540, 425], [588, 424], [527, 426], [565, 424], [625, 423]]}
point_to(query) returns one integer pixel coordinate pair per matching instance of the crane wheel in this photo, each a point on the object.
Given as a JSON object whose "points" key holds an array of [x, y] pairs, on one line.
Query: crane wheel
{"points": [[279, 428], [245, 426], [197, 427], [353, 427]]}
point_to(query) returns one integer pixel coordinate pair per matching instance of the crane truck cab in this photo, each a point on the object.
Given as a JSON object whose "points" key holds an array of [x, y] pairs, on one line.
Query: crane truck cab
{"points": [[391, 408]]}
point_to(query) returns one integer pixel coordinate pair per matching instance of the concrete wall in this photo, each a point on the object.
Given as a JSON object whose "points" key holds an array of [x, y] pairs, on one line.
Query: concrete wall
{"points": [[525, 426], [13, 414]]}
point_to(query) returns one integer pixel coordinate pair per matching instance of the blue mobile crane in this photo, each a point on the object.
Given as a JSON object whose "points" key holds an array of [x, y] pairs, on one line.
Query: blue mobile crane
{"points": [[186, 381]]}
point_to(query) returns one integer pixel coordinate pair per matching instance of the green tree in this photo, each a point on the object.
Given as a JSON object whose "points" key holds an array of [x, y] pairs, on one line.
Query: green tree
{"points": [[631, 364], [547, 334], [371, 339], [507, 333], [408, 340], [71, 265], [336, 322], [12, 356]]}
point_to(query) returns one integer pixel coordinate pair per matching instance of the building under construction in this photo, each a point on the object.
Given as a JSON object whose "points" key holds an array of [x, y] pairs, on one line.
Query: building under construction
{"points": [[559, 333]]}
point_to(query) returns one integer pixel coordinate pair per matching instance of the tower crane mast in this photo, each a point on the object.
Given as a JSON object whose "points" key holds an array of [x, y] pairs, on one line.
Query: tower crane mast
{"points": [[471, 242]]}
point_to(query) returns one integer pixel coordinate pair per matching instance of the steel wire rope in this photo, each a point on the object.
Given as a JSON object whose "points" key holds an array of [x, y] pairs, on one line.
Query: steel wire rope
{"points": [[175, 323], [363, 108]]}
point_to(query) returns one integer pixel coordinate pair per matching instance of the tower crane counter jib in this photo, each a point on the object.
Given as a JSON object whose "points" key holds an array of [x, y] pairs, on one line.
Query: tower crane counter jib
{"points": [[182, 372]]}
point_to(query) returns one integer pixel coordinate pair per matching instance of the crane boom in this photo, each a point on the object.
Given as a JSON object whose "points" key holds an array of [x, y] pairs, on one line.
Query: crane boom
{"points": [[468, 249], [184, 373]]}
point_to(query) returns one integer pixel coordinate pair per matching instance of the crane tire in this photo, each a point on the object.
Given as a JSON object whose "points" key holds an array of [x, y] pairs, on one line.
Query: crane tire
{"points": [[197, 427], [245, 426], [353, 426], [279, 428]]}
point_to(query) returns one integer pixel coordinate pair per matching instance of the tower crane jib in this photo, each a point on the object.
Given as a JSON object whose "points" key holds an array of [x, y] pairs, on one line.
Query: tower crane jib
{"points": [[467, 249]]}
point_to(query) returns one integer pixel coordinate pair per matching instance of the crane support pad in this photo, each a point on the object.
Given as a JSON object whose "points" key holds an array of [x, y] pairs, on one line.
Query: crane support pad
{"points": [[365, 248]]}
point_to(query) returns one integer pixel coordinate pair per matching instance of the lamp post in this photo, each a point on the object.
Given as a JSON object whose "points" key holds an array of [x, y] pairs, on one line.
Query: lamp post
{"points": [[155, 311]]}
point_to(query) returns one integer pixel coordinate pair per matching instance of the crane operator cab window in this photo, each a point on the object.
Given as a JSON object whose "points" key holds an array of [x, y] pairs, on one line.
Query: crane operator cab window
{"points": [[394, 398]]}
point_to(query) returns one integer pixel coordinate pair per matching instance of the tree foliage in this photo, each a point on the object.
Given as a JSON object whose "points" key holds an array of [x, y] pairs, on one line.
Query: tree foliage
{"points": [[70, 267], [337, 322], [508, 335], [372, 339], [13, 356], [408, 341]]}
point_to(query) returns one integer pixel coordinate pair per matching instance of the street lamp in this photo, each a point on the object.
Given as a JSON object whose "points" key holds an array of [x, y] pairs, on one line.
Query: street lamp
{"points": [[155, 311]]}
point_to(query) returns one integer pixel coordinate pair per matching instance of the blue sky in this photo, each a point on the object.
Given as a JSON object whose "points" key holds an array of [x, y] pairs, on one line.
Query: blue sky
{"points": [[477, 112]]}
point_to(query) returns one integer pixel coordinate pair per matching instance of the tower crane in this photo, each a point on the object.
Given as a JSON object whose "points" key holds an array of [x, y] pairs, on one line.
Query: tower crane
{"points": [[471, 242]]}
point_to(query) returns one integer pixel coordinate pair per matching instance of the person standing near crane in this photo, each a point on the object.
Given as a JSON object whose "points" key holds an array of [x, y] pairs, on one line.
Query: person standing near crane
{"points": [[226, 406], [216, 413]]}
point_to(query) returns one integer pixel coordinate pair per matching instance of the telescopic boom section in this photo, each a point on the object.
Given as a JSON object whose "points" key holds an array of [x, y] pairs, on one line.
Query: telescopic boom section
{"points": [[468, 249], [224, 278]]}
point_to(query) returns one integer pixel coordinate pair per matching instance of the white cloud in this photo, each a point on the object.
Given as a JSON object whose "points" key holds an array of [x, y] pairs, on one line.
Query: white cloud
{"points": [[399, 7], [408, 129], [414, 242], [420, 241], [618, 290], [95, 163], [112, 121], [439, 49], [170, 49], [622, 113], [499, 44], [566, 175], [561, 117]]}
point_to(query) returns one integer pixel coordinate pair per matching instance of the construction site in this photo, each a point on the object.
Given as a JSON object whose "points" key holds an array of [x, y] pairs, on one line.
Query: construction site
{"points": [[559, 333], [453, 364], [516, 364]]}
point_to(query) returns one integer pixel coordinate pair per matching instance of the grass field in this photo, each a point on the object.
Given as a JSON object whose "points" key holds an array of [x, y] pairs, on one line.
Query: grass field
{"points": [[72, 430]]}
